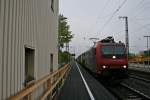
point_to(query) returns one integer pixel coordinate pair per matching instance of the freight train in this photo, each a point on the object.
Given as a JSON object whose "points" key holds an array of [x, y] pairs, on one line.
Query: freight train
{"points": [[106, 58]]}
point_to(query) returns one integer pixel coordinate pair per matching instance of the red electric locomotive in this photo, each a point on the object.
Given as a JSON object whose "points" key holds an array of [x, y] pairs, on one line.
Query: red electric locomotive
{"points": [[106, 58]]}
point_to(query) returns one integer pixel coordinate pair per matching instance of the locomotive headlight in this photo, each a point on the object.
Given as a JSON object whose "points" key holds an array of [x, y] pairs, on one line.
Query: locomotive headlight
{"points": [[124, 66], [104, 67], [114, 57]]}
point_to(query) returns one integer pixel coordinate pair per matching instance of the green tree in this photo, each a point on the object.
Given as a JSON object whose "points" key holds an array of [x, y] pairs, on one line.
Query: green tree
{"points": [[65, 35]]}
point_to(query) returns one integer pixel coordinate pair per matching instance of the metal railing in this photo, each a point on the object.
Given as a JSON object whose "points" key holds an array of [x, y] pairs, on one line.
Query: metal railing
{"points": [[52, 82]]}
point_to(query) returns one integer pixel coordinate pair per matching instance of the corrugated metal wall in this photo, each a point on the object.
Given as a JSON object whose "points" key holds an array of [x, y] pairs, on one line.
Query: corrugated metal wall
{"points": [[30, 23]]}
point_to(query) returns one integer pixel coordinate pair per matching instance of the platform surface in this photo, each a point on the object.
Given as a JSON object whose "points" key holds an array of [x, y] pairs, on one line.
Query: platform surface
{"points": [[75, 89]]}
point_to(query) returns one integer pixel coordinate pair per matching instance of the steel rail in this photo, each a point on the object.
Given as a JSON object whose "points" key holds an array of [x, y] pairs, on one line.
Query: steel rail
{"points": [[136, 91], [139, 78]]}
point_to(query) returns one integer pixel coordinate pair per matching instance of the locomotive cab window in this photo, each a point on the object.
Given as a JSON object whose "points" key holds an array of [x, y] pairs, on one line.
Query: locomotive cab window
{"points": [[109, 51], [119, 50]]}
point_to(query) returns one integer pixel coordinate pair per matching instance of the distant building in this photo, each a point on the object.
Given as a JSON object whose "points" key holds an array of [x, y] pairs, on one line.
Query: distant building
{"points": [[28, 42], [145, 52]]}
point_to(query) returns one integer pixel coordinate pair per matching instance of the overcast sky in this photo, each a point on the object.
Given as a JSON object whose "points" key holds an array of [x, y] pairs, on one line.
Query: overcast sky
{"points": [[99, 18]]}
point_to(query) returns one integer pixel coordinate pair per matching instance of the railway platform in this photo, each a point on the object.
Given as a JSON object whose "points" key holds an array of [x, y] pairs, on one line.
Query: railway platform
{"points": [[80, 85]]}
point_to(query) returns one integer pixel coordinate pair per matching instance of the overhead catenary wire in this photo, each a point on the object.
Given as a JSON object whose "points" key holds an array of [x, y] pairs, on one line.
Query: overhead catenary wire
{"points": [[103, 9], [138, 31], [142, 19], [141, 8], [99, 15], [107, 22], [140, 3], [113, 14], [142, 26]]}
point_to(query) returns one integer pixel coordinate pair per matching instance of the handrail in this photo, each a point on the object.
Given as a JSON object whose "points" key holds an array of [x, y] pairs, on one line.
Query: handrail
{"points": [[51, 80]]}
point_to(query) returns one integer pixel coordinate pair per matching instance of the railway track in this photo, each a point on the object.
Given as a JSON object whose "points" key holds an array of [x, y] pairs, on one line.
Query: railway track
{"points": [[139, 84], [136, 87], [141, 74], [124, 92], [133, 88], [138, 94], [139, 78]]}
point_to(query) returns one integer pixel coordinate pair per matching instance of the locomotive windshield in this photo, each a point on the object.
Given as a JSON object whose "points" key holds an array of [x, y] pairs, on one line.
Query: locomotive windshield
{"points": [[109, 51], [119, 50]]}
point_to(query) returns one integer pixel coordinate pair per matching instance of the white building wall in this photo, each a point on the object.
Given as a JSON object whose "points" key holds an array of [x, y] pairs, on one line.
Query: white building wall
{"points": [[29, 23], [1, 43]]}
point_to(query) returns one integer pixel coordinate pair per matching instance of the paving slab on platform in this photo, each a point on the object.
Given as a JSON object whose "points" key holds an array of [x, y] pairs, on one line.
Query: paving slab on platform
{"points": [[75, 89]]}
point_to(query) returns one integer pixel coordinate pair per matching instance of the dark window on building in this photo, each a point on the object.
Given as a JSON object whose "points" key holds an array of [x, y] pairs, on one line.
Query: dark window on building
{"points": [[52, 5], [29, 65], [51, 63]]}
